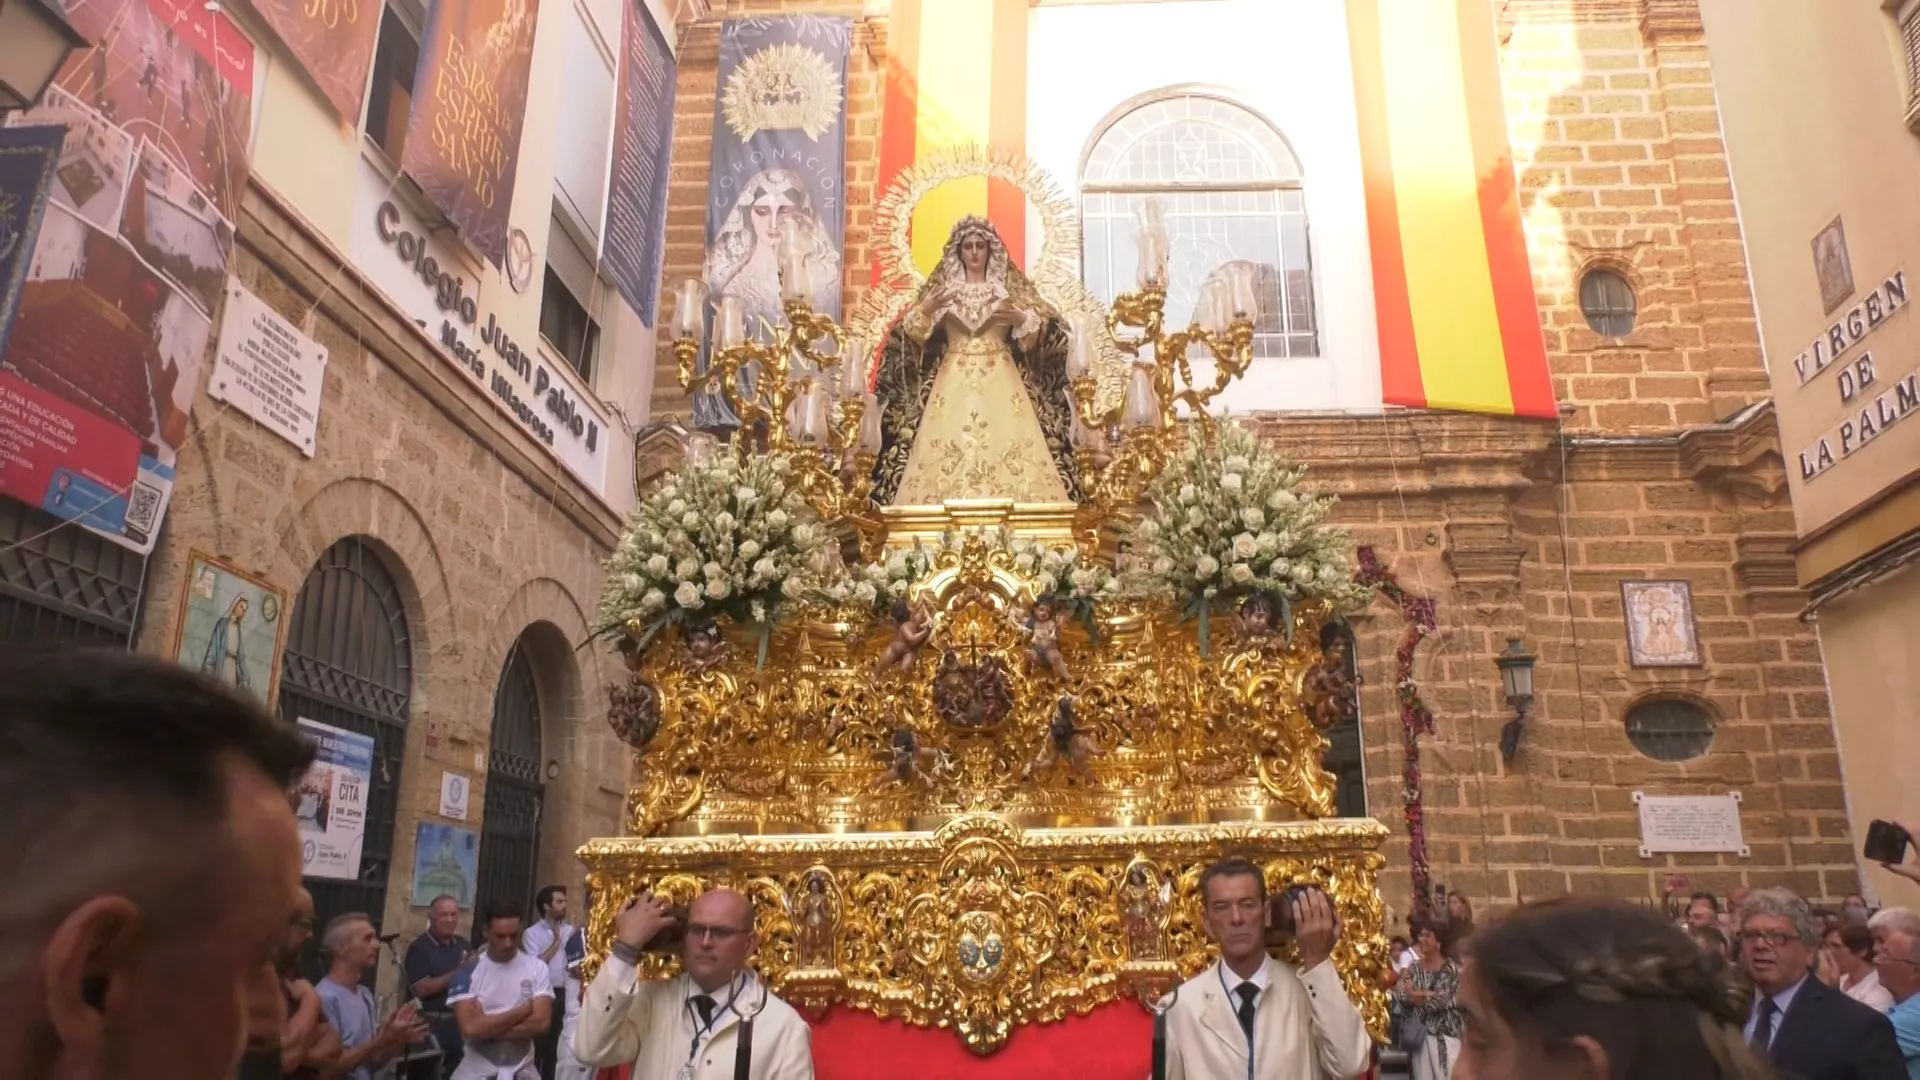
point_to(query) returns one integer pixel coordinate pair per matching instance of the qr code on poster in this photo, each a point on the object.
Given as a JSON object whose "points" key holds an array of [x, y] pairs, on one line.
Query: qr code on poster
{"points": [[143, 506]]}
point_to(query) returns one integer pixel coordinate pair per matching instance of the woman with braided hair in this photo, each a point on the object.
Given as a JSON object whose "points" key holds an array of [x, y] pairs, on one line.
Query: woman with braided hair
{"points": [[1587, 989]]}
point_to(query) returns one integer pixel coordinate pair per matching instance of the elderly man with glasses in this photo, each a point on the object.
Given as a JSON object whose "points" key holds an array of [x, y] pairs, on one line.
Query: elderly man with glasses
{"points": [[1805, 1028], [1897, 959], [701, 1023]]}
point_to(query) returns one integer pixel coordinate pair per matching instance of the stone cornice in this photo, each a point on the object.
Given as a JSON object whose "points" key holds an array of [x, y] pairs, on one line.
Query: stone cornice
{"points": [[1411, 452], [300, 256]]}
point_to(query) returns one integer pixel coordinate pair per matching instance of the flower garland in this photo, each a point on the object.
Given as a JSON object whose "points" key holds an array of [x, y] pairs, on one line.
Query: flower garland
{"points": [[724, 538], [1227, 517], [1060, 574], [1415, 718]]}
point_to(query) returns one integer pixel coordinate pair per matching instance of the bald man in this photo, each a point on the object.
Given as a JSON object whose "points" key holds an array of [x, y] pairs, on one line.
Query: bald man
{"points": [[689, 1026]]}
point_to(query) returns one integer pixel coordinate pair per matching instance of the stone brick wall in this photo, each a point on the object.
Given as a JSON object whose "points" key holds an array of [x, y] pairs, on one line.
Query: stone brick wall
{"points": [[1616, 142], [1667, 466], [486, 535]]}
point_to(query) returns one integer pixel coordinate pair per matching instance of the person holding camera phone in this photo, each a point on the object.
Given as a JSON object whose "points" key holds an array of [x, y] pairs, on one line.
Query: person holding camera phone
{"points": [[701, 1023], [1252, 1015]]}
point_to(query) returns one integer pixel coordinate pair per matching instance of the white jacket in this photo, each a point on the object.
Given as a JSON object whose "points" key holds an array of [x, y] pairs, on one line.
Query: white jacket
{"points": [[652, 1025], [1304, 1028]]}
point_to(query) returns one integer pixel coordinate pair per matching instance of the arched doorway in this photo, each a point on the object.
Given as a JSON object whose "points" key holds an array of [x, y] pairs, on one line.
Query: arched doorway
{"points": [[510, 823], [349, 664]]}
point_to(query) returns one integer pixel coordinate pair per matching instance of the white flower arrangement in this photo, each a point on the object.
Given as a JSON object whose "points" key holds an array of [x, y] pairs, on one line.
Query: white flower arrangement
{"points": [[1230, 519], [723, 539]]}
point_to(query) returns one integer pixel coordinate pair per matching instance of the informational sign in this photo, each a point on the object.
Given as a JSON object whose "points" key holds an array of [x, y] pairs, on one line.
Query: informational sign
{"points": [[1871, 398], [463, 135], [454, 792], [331, 801], [1690, 824], [433, 284], [268, 369], [642, 145]]}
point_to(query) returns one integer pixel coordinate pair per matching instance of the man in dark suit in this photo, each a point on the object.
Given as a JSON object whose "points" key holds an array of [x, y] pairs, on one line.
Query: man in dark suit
{"points": [[1808, 1031]]}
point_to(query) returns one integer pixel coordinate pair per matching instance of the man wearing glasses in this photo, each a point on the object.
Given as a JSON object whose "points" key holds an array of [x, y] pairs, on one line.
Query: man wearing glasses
{"points": [[1806, 1029], [690, 1027], [1898, 962]]}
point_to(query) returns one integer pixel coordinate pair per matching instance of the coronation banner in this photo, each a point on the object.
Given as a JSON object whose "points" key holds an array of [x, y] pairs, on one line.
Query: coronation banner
{"points": [[1459, 324], [469, 105], [333, 40], [642, 145], [110, 345], [779, 153], [956, 76]]}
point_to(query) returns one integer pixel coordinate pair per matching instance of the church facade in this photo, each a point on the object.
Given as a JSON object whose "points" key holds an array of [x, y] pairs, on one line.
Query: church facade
{"points": [[1657, 504]]}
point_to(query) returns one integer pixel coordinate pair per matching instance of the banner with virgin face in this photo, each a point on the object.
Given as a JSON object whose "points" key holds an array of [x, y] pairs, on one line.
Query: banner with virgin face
{"points": [[469, 105], [779, 152]]}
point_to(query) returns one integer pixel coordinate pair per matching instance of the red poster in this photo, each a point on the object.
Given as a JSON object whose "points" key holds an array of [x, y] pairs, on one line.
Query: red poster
{"points": [[62, 458]]}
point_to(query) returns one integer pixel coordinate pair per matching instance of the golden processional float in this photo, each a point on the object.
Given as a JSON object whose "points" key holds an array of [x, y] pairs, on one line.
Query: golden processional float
{"points": [[969, 760]]}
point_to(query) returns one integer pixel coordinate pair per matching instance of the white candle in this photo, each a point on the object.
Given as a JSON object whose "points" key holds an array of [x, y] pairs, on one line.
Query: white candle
{"points": [[730, 322], [870, 436], [814, 416], [1142, 405], [853, 366], [1215, 306], [1153, 243], [1079, 345], [1084, 437], [795, 283], [690, 309], [1241, 280]]}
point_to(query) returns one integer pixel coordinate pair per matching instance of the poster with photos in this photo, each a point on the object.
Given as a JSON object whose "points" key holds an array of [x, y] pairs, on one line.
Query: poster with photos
{"points": [[231, 626], [1660, 630]]}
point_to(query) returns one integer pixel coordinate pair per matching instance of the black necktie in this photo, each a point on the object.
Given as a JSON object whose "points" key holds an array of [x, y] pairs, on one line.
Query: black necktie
{"points": [[705, 1004], [1247, 992], [1763, 1027]]}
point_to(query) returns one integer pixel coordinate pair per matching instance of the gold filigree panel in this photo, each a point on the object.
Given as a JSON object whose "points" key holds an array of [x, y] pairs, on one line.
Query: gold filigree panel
{"points": [[982, 926]]}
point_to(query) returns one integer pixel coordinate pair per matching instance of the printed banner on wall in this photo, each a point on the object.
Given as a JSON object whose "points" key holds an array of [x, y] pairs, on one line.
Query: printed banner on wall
{"points": [[463, 134], [642, 146], [1459, 323], [956, 76], [779, 152], [333, 40], [331, 801], [115, 319]]}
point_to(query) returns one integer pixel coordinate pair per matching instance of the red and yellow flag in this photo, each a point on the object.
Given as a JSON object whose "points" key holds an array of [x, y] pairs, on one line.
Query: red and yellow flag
{"points": [[957, 76], [1459, 326]]}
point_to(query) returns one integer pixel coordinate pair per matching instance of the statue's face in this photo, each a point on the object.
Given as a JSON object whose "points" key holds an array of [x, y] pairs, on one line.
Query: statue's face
{"points": [[973, 254], [767, 212]]}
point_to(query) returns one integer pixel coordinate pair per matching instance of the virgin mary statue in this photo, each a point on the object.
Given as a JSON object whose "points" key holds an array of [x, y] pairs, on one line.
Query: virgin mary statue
{"points": [[975, 384]]}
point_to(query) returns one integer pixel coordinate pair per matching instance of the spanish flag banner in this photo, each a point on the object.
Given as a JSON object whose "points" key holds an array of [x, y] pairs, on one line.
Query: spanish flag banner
{"points": [[1459, 326], [957, 76]]}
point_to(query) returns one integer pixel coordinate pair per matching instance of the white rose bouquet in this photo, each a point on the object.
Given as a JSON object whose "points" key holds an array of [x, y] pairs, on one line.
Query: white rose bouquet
{"points": [[726, 538], [1230, 520]]}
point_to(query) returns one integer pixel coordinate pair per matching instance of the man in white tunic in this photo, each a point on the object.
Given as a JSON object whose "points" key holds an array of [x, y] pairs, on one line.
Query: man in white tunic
{"points": [[688, 1027], [503, 1000], [1250, 1015]]}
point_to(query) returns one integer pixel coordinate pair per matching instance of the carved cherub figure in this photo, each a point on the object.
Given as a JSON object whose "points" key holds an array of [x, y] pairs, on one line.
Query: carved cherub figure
{"points": [[705, 647], [1256, 617], [908, 759], [1332, 690], [1143, 912], [1043, 644], [912, 626], [813, 922], [1064, 742]]}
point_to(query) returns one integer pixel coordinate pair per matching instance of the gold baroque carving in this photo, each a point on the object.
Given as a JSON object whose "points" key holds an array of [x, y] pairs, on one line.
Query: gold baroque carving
{"points": [[982, 926]]}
